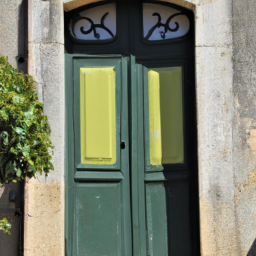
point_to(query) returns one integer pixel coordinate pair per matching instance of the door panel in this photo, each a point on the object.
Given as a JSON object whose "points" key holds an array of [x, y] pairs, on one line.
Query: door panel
{"points": [[156, 215], [98, 115], [97, 118], [168, 219], [98, 199], [171, 134], [160, 192], [169, 80], [179, 230], [98, 214]]}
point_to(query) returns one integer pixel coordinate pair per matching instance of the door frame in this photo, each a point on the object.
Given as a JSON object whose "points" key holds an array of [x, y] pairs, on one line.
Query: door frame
{"points": [[135, 165]]}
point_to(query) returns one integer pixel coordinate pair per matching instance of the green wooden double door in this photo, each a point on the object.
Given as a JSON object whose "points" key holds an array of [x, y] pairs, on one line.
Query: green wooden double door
{"points": [[130, 182], [131, 147]]}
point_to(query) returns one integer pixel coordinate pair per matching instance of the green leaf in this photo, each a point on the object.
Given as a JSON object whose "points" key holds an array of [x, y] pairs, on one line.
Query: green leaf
{"points": [[17, 99], [36, 142], [3, 114], [26, 148], [25, 153], [18, 173], [5, 226], [19, 146], [32, 169], [19, 130], [31, 162], [13, 150], [29, 113]]}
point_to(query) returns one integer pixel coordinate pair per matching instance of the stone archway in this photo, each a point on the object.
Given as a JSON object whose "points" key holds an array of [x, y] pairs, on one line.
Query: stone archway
{"points": [[72, 4]]}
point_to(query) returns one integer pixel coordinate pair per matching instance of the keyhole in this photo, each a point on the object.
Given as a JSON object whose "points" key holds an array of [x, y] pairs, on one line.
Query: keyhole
{"points": [[122, 145]]}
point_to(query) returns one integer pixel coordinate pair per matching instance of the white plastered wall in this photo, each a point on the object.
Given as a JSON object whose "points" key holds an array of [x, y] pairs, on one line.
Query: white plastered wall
{"points": [[44, 202]]}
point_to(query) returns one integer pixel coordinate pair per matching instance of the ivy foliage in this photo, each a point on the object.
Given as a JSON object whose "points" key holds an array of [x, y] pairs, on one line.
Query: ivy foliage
{"points": [[24, 129], [5, 226]]}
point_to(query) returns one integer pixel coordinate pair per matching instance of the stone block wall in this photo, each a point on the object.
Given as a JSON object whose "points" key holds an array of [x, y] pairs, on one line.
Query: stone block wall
{"points": [[44, 197]]}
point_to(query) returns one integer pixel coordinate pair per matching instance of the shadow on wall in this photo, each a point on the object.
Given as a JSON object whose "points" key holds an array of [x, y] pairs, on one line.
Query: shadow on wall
{"points": [[252, 251], [11, 205]]}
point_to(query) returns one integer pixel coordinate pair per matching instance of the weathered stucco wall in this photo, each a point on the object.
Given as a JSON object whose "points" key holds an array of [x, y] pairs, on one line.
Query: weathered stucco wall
{"points": [[244, 122], [214, 78], [44, 198], [13, 31]]}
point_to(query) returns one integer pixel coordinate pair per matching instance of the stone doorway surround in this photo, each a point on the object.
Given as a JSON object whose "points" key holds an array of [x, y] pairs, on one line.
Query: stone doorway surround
{"points": [[226, 124]]}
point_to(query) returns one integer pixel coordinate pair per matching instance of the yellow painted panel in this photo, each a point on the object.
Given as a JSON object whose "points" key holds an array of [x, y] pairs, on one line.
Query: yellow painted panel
{"points": [[170, 80], [98, 115], [154, 118]]}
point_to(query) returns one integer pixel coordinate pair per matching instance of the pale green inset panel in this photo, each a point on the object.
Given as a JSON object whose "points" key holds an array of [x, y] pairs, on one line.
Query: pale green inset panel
{"points": [[98, 115], [98, 227], [170, 80], [154, 118]]}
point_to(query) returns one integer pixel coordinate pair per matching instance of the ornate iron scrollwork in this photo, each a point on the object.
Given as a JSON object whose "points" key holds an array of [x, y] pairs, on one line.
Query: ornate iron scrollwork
{"points": [[94, 26], [166, 25]]}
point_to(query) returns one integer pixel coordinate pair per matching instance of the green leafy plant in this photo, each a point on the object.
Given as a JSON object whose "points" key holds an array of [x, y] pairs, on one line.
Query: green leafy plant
{"points": [[5, 226], [24, 129]]}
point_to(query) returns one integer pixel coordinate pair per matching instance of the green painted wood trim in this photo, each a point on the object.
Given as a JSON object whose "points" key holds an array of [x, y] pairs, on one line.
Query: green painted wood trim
{"points": [[137, 154], [94, 56], [83, 176], [96, 167], [69, 158], [125, 162], [167, 176], [134, 156], [141, 163]]}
